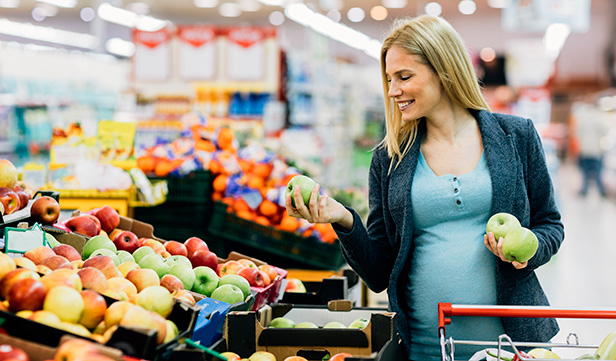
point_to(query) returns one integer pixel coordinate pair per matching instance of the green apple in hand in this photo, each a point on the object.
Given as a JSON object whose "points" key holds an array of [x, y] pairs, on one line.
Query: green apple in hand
{"points": [[520, 245], [305, 183], [501, 223]]}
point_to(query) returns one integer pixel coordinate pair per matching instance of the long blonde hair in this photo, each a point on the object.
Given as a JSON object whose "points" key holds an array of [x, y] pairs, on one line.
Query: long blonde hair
{"points": [[436, 44]]}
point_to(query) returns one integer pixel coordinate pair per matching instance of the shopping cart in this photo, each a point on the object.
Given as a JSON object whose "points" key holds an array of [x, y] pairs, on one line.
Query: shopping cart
{"points": [[446, 310]]}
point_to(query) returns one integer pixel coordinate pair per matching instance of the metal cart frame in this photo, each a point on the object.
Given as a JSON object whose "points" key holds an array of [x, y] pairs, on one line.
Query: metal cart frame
{"points": [[447, 310]]}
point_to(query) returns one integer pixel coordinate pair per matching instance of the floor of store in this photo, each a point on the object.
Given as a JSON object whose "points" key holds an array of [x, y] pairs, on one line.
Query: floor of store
{"points": [[579, 276]]}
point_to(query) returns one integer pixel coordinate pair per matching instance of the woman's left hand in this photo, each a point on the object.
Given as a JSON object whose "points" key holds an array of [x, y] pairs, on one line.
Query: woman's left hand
{"points": [[496, 247]]}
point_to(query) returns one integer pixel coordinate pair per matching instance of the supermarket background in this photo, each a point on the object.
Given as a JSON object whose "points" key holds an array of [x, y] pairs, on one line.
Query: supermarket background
{"points": [[298, 84]]}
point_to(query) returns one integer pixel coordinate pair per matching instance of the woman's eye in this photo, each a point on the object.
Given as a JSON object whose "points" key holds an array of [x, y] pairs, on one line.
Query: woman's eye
{"points": [[389, 80], [405, 78]]}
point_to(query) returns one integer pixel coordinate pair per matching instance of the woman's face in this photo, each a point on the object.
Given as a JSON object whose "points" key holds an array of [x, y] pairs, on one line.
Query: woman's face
{"points": [[413, 86]]}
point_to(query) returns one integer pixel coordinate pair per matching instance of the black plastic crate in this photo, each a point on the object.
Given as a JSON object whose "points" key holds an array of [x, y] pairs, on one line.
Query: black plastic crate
{"points": [[303, 250], [175, 220], [195, 187]]}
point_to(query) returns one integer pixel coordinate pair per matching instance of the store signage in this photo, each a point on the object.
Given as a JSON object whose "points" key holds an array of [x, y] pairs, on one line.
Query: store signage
{"points": [[152, 59], [197, 52], [245, 53]]}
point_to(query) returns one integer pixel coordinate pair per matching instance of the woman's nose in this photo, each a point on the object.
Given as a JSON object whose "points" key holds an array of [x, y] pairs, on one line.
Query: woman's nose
{"points": [[393, 90]]}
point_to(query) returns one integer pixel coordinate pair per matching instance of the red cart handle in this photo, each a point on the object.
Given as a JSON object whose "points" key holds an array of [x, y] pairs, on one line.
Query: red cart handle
{"points": [[446, 310]]}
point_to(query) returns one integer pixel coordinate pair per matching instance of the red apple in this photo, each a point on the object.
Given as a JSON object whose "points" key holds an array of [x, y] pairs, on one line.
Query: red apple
{"points": [[10, 278], [270, 270], [55, 262], [9, 199], [127, 241], [93, 279], [13, 353], [26, 294], [62, 277], [266, 278], [109, 218], [206, 258], [176, 248], [8, 174], [45, 210], [194, 244], [171, 283], [82, 224], [98, 223], [24, 197], [231, 267], [67, 251], [38, 254], [253, 276], [94, 310], [105, 264]]}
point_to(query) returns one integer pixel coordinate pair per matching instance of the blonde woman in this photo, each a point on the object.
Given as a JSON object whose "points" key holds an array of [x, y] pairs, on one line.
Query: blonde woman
{"points": [[445, 166]]}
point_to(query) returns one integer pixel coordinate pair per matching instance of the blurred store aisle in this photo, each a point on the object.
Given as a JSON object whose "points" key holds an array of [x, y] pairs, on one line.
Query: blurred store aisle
{"points": [[581, 274]]}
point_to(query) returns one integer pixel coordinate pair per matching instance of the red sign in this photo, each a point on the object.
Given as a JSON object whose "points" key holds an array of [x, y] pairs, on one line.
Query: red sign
{"points": [[196, 35], [151, 39], [246, 36]]}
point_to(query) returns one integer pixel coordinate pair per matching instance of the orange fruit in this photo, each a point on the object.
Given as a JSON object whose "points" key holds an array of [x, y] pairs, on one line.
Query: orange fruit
{"points": [[225, 138], [240, 205], [288, 224], [262, 220], [246, 165], [268, 208], [215, 167], [220, 183], [246, 214], [163, 167], [146, 163], [216, 196], [263, 170], [255, 182], [205, 145]]}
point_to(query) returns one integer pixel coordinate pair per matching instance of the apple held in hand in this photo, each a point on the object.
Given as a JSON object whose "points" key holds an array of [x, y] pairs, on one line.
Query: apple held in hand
{"points": [[500, 224], [520, 245], [306, 185]]}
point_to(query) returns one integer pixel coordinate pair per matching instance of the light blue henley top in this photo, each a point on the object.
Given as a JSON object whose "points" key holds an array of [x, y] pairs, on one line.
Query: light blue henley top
{"points": [[450, 262]]}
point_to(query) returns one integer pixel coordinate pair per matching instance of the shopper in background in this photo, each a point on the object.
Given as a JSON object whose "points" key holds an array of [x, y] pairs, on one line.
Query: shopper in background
{"points": [[590, 127], [445, 166]]}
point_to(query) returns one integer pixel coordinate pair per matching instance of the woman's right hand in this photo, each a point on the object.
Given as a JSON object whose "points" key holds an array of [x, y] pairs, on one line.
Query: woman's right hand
{"points": [[320, 209]]}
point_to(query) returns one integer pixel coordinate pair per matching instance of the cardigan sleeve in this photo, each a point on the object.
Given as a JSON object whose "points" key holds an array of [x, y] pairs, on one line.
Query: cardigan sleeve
{"points": [[368, 250], [545, 220]]}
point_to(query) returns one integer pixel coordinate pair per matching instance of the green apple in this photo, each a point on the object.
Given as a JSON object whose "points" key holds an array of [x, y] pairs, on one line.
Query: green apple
{"points": [[359, 323], [306, 324], [281, 322], [154, 262], [520, 245], [206, 280], [172, 331], [178, 259], [97, 242], [305, 183], [106, 252], [125, 256], [142, 252], [236, 280], [334, 324], [184, 273], [501, 223], [228, 293], [51, 240]]}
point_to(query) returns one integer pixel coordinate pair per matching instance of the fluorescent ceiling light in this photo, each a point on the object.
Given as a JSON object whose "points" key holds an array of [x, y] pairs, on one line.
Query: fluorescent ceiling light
{"points": [[205, 3], [48, 34], [229, 10], [60, 3], [249, 5], [120, 47], [9, 4], [395, 4], [554, 39], [499, 4], [129, 19]]}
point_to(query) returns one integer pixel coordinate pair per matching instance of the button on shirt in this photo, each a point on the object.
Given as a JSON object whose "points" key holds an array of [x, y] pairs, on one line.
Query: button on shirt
{"points": [[450, 261]]}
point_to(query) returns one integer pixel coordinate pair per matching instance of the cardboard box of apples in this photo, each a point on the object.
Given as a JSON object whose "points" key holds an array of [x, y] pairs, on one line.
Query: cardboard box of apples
{"points": [[290, 330]]}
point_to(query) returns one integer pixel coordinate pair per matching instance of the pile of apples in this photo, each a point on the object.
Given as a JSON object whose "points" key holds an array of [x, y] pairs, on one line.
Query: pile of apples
{"points": [[268, 356], [13, 196], [284, 322], [54, 286]]}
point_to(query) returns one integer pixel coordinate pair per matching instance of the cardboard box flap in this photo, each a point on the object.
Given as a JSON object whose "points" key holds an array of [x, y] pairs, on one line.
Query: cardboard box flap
{"points": [[340, 305]]}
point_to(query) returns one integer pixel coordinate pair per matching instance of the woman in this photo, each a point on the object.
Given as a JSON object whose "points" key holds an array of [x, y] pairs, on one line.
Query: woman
{"points": [[445, 166]]}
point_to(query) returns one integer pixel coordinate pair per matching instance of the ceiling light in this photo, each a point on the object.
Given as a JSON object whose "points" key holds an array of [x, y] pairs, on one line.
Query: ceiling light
{"points": [[249, 5], [433, 8], [39, 14], [378, 13], [205, 3], [272, 2], [334, 15], [120, 47], [356, 14], [229, 10], [87, 14], [467, 7], [9, 4], [554, 39], [127, 18], [328, 5], [50, 10], [499, 4], [276, 18], [47, 34], [139, 8], [394, 4], [61, 3]]}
